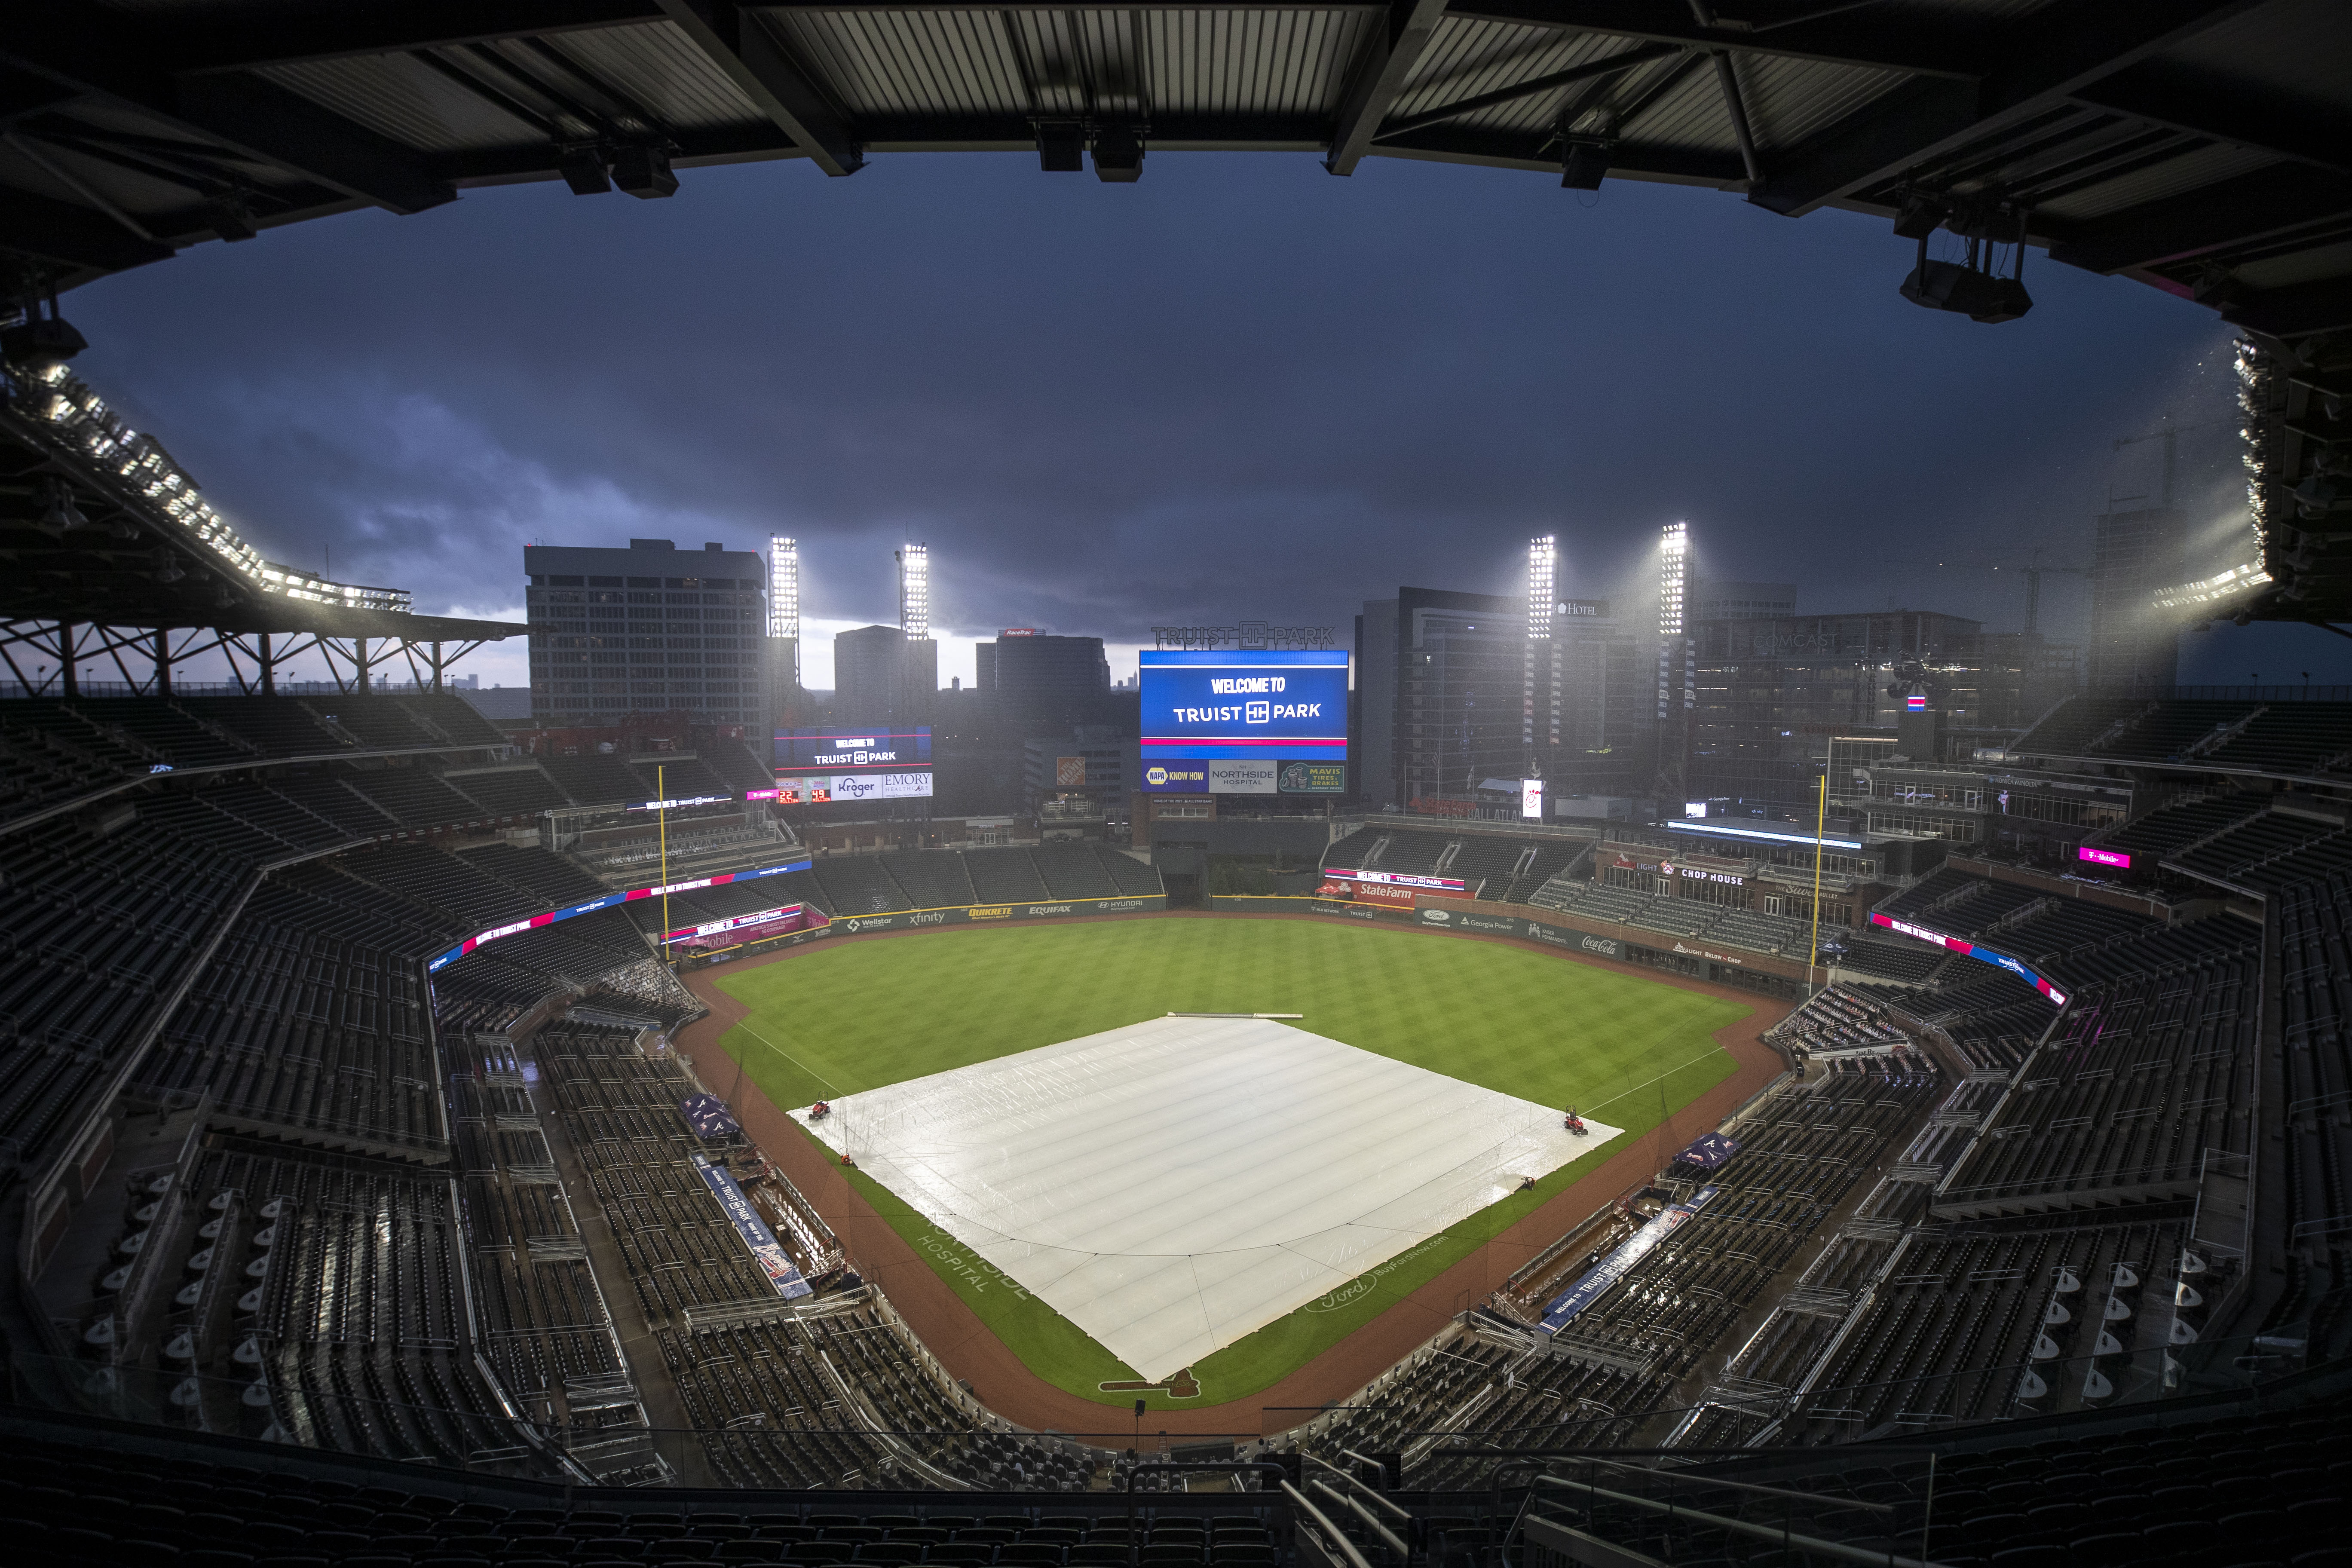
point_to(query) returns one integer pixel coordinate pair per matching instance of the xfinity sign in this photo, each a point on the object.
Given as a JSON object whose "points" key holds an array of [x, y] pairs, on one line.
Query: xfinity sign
{"points": [[1217, 704]]}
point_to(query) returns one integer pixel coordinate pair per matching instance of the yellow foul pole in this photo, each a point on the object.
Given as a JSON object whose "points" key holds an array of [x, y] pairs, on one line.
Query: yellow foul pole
{"points": [[661, 820], [1821, 823]]}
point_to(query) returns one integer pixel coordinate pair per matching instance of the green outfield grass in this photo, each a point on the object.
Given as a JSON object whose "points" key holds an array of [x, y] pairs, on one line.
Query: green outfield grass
{"points": [[1621, 1048]]}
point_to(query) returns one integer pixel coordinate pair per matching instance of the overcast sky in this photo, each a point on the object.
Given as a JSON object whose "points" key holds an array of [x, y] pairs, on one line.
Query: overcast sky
{"points": [[1239, 389]]}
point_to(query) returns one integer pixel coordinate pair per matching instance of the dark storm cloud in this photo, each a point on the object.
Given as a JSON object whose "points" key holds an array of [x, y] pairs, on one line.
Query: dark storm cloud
{"points": [[1239, 387]]}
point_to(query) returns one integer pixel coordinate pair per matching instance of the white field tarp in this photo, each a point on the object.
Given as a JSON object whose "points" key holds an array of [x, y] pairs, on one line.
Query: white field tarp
{"points": [[1173, 1185]]}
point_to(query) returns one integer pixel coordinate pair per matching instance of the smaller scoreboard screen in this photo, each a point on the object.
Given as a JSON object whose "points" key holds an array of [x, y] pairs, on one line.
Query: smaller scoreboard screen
{"points": [[839, 751], [1290, 705]]}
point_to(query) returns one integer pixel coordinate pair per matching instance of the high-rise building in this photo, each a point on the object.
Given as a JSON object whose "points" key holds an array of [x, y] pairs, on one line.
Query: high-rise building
{"points": [[648, 629], [1772, 693], [2135, 649], [1715, 600], [1453, 689], [889, 676], [869, 677], [1043, 682]]}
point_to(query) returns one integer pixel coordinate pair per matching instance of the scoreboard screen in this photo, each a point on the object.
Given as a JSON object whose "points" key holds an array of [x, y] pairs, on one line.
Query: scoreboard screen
{"points": [[1290, 705]]}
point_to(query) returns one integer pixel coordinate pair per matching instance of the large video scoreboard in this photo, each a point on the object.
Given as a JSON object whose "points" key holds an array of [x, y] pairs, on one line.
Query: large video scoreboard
{"points": [[1245, 721], [819, 767]]}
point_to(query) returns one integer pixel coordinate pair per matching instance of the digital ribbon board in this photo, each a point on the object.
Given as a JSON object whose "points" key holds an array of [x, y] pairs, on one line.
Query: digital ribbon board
{"points": [[1967, 949], [610, 900]]}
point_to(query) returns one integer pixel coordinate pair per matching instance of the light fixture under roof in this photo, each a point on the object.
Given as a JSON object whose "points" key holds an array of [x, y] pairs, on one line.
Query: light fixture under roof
{"points": [[644, 173], [60, 514], [38, 342], [1119, 155], [582, 169]]}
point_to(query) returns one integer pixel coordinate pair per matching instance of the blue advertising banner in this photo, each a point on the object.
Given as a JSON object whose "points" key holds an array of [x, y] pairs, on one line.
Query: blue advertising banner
{"points": [[1620, 1263], [754, 1230], [1287, 705]]}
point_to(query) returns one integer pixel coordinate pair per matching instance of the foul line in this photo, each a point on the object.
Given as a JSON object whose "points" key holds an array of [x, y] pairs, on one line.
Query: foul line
{"points": [[1667, 1074], [789, 1057]]}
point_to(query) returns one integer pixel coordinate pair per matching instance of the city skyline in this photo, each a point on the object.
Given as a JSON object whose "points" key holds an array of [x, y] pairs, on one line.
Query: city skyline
{"points": [[1600, 379]]}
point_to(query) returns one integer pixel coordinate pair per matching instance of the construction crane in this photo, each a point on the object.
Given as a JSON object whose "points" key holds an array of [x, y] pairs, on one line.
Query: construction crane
{"points": [[2031, 571]]}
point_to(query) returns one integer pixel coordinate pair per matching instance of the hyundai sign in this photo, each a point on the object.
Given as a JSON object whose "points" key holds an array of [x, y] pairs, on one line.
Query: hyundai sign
{"points": [[1289, 704]]}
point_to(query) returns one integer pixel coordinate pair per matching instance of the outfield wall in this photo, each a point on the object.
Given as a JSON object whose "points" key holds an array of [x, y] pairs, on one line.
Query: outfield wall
{"points": [[1762, 971], [950, 915]]}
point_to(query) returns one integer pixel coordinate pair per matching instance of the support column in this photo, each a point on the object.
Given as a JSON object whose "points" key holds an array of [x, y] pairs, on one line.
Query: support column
{"points": [[163, 661], [269, 668], [359, 654], [437, 670], [69, 678]]}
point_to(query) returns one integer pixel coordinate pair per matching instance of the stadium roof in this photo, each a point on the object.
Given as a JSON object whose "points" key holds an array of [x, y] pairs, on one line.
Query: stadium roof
{"points": [[2202, 146], [98, 524]]}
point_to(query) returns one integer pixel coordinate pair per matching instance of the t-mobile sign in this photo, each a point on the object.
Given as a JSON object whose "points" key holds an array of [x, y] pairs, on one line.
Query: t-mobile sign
{"points": [[2115, 857]]}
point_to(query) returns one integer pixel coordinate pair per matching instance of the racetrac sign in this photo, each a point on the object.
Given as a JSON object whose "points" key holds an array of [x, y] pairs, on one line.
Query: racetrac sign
{"points": [[1967, 949], [609, 900]]}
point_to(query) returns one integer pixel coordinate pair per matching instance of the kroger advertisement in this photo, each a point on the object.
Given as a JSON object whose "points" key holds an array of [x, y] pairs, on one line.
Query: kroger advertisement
{"points": [[829, 788], [1227, 704]]}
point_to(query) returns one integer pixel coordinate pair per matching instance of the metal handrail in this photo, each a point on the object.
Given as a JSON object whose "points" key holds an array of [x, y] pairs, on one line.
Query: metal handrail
{"points": [[1787, 1537], [1353, 1482], [1355, 1556], [1744, 1486], [1388, 1537]]}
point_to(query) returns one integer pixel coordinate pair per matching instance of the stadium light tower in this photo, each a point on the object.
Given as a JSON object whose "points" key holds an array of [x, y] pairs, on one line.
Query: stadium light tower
{"points": [[784, 673], [1675, 670], [1543, 577], [915, 592], [1541, 660], [783, 587]]}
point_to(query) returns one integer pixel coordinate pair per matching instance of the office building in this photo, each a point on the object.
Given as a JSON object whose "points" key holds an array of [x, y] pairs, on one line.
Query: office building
{"points": [[1723, 601], [1041, 681], [1773, 693], [1453, 689], [648, 629], [2134, 648], [1075, 782], [889, 677], [882, 680]]}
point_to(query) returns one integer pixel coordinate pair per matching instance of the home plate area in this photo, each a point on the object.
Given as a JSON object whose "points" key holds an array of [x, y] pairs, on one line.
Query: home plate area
{"points": [[1172, 1185]]}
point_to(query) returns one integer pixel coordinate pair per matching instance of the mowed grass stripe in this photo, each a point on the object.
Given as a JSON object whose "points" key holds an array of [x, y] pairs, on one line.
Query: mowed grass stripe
{"points": [[840, 1018]]}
